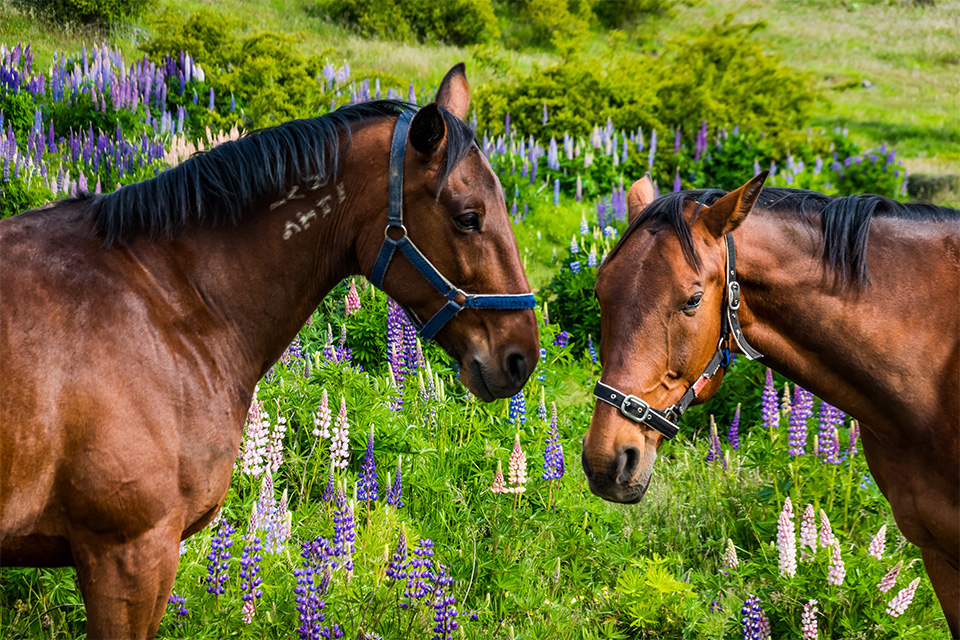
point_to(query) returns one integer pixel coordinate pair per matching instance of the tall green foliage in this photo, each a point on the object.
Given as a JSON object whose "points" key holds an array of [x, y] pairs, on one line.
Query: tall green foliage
{"points": [[457, 22]]}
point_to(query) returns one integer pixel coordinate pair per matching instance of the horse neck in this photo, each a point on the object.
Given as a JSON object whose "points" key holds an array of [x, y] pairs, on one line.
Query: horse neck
{"points": [[862, 350], [263, 279]]}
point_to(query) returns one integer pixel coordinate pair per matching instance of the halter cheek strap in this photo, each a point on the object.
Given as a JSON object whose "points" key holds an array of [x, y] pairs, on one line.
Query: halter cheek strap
{"points": [[665, 421], [405, 245]]}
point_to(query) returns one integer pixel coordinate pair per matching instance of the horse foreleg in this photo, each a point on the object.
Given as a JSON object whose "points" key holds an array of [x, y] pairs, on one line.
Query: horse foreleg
{"points": [[946, 584], [125, 586]]}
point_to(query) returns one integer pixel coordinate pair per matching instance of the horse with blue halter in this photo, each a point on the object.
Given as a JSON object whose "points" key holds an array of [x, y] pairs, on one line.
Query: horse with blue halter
{"points": [[135, 324], [694, 277]]}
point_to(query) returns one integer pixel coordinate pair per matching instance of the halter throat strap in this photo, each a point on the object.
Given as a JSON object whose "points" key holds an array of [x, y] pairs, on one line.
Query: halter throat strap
{"points": [[457, 299], [665, 421]]}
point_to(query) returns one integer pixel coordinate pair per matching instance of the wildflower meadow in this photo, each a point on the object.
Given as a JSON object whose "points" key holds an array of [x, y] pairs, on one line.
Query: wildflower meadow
{"points": [[374, 497]]}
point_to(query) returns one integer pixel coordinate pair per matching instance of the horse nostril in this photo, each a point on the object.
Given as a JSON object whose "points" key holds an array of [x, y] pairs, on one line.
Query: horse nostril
{"points": [[628, 462], [517, 368]]}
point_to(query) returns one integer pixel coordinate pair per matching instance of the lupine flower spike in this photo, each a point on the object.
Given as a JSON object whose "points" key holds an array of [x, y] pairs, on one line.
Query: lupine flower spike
{"points": [[837, 571], [808, 620], [785, 405], [730, 559], [352, 302], [808, 534], [498, 485], [733, 435], [877, 543], [518, 468], [753, 621], [395, 490], [787, 541], [902, 600], [340, 444], [826, 533], [768, 403], [886, 582], [369, 487]]}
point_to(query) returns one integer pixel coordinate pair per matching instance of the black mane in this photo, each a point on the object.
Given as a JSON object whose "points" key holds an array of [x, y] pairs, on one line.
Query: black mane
{"points": [[844, 222], [218, 187]]}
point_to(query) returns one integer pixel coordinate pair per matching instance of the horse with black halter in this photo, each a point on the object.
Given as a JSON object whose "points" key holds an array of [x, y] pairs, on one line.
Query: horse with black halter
{"points": [[134, 325], [694, 276]]}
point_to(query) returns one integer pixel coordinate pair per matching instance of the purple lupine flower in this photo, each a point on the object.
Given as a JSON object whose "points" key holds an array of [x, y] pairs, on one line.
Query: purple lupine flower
{"points": [[808, 620], [830, 417], [854, 435], [677, 186], [592, 257], [518, 409], [553, 463], [593, 352], [217, 566], [574, 247], [398, 562], [179, 603], [420, 575], [752, 619], [801, 412], [579, 191], [676, 143], [561, 339], [556, 192], [309, 591], [584, 227], [344, 533], [653, 149], [575, 267], [545, 115], [733, 434], [542, 407], [768, 403], [444, 605], [714, 452], [395, 490], [787, 541], [250, 578], [210, 104], [368, 487], [330, 489]]}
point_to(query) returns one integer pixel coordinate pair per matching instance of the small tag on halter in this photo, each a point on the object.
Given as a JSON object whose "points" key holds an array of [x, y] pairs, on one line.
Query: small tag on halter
{"points": [[700, 384]]}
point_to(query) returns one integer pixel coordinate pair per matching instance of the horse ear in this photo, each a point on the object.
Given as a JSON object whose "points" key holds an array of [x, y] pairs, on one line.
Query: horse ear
{"points": [[641, 193], [728, 212], [428, 130], [454, 93]]}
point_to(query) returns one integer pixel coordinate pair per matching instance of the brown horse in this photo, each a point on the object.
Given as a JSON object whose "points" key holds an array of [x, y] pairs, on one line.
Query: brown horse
{"points": [[135, 325], [884, 346]]}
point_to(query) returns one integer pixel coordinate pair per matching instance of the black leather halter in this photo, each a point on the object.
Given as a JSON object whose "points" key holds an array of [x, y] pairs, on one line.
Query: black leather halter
{"points": [[665, 421], [390, 246]]}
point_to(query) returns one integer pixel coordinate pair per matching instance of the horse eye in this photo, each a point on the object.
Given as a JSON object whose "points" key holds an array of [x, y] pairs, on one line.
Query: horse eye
{"points": [[692, 303], [468, 221]]}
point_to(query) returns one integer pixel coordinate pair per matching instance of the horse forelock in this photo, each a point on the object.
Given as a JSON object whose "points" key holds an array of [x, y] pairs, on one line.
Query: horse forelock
{"points": [[218, 187]]}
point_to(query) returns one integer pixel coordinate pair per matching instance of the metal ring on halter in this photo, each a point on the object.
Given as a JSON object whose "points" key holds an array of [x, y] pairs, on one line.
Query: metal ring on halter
{"points": [[403, 231]]}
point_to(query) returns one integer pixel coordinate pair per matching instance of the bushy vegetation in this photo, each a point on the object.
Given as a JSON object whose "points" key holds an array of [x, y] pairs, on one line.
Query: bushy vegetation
{"points": [[458, 22], [100, 12]]}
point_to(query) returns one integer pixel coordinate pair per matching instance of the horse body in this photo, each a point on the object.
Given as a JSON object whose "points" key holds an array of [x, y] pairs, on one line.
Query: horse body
{"points": [[128, 369], [883, 345]]}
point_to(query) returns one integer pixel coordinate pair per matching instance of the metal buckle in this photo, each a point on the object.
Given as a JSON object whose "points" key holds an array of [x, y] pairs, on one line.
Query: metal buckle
{"points": [[403, 231], [637, 411], [733, 295]]}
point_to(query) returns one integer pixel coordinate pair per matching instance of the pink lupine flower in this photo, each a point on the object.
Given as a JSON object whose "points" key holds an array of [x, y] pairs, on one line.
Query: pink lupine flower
{"points": [[787, 540], [837, 571], [808, 620], [352, 301], [340, 443], [248, 611], [730, 559], [786, 406], [498, 485], [854, 435], [826, 533], [275, 448], [518, 468], [321, 424], [763, 628], [808, 534], [903, 599], [255, 445], [877, 543], [886, 582]]}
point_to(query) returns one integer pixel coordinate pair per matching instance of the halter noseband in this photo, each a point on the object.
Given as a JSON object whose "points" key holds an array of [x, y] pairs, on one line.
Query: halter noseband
{"points": [[665, 421], [420, 261]]}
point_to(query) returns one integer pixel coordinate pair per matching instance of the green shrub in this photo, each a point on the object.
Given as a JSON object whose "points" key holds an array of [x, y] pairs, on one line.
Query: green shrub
{"points": [[614, 14], [93, 11], [457, 22], [721, 77], [18, 195]]}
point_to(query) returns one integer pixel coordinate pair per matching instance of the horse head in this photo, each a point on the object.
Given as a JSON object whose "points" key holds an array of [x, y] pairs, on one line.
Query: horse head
{"points": [[472, 295], [662, 294]]}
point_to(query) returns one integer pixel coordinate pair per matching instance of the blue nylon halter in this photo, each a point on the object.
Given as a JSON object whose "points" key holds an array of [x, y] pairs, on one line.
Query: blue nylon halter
{"points": [[390, 246]]}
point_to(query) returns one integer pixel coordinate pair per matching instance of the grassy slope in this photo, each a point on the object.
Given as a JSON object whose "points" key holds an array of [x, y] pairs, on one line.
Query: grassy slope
{"points": [[910, 54]]}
